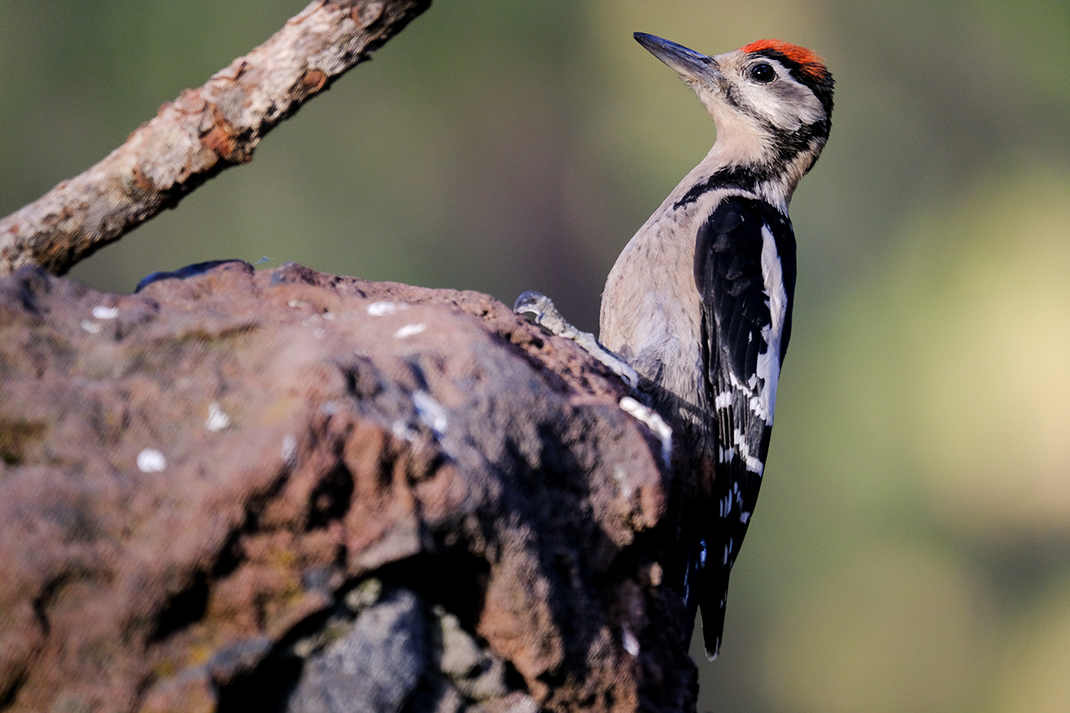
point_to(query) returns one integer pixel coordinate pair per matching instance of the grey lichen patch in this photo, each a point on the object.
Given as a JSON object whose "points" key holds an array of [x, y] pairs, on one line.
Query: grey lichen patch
{"points": [[375, 667], [364, 595], [341, 621], [382, 648], [474, 670]]}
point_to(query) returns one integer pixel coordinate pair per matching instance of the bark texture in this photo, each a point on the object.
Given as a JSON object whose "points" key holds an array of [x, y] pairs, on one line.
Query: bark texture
{"points": [[202, 132], [290, 491]]}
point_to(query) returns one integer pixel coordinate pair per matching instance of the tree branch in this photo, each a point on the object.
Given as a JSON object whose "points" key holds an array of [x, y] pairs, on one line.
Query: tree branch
{"points": [[202, 132]]}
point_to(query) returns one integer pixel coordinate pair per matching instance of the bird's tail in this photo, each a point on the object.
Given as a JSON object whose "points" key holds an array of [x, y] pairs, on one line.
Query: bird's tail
{"points": [[713, 595], [706, 590]]}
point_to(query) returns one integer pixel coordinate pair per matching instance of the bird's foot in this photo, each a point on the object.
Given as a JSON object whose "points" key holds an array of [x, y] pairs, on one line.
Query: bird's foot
{"points": [[538, 309]]}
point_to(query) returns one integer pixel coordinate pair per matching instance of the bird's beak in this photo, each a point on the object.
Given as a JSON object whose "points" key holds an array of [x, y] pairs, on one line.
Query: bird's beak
{"points": [[688, 64]]}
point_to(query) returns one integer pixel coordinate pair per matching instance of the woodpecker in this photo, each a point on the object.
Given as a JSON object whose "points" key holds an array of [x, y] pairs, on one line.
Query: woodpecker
{"points": [[697, 309], [699, 302]]}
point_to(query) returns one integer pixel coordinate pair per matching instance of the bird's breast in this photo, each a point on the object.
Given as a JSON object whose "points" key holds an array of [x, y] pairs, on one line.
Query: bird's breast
{"points": [[651, 310]]}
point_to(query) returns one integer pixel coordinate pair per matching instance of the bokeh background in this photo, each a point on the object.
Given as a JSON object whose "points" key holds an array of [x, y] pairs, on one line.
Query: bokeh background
{"points": [[911, 551]]}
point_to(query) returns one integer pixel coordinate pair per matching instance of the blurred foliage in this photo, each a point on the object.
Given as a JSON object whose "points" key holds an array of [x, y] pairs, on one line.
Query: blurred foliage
{"points": [[912, 548]]}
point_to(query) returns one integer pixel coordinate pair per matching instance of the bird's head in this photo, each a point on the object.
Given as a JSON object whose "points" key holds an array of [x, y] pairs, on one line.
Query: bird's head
{"points": [[771, 101]]}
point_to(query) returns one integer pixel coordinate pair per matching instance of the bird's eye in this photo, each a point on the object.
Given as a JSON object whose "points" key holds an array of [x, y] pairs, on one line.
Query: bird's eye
{"points": [[762, 73]]}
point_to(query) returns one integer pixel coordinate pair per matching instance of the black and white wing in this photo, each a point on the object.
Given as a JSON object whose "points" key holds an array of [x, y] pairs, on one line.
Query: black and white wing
{"points": [[745, 273]]}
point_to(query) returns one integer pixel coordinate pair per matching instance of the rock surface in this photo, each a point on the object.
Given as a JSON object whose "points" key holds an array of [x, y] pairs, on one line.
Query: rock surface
{"points": [[289, 491]]}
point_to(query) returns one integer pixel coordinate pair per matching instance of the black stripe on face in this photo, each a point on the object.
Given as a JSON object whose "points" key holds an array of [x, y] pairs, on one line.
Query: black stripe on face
{"points": [[822, 86], [810, 138]]}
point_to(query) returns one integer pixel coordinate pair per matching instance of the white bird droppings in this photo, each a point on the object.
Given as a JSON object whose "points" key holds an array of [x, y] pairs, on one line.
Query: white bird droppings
{"points": [[379, 309], [151, 460], [409, 330], [289, 449], [217, 419], [620, 474], [431, 413], [631, 644], [105, 312], [90, 326], [404, 431]]}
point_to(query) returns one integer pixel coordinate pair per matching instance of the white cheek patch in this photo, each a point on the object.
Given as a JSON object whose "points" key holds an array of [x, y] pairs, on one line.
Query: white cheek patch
{"points": [[770, 105], [805, 104], [787, 104]]}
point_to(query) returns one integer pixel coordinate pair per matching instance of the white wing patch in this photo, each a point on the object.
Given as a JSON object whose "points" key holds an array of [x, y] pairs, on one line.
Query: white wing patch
{"points": [[769, 361]]}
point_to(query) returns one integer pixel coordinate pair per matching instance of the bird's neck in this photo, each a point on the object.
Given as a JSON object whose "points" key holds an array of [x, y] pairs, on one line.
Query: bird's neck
{"points": [[765, 164]]}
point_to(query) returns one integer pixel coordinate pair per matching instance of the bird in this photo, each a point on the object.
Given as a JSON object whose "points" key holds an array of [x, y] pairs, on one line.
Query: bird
{"points": [[699, 303], [696, 312]]}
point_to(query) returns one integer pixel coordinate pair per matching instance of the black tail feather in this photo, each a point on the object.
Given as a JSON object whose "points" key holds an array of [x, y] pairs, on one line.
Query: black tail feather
{"points": [[713, 594], [706, 590]]}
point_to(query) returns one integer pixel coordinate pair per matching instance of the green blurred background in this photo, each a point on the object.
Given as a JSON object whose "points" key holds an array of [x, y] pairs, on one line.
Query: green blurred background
{"points": [[912, 548]]}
